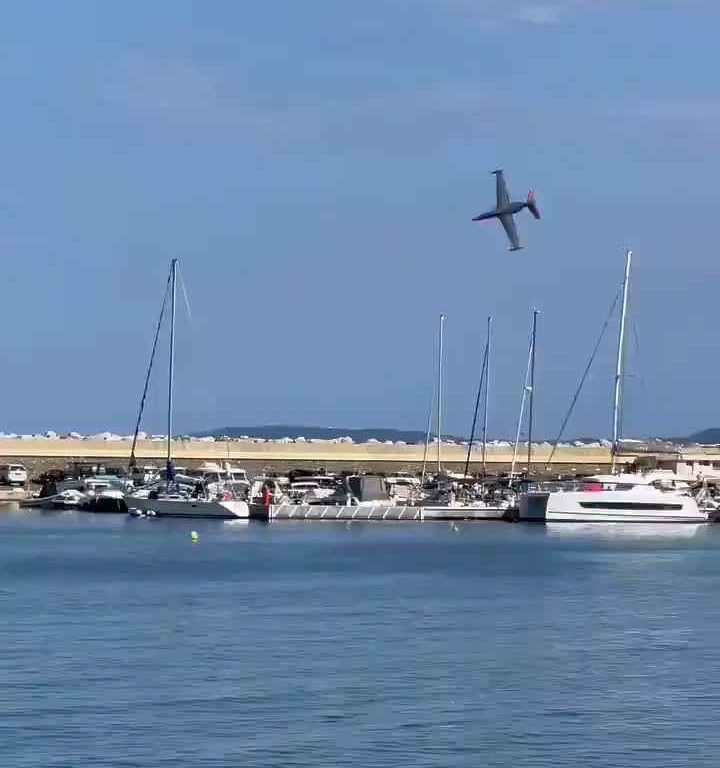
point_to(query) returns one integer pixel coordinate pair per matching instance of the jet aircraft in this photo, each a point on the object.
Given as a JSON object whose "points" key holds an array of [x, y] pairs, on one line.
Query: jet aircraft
{"points": [[505, 210]]}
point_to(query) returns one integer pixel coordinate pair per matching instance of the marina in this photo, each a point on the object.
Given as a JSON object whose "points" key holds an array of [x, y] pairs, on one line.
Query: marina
{"points": [[650, 490]]}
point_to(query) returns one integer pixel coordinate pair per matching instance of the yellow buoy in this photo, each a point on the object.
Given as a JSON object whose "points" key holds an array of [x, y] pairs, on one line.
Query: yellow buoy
{"points": [[194, 536]]}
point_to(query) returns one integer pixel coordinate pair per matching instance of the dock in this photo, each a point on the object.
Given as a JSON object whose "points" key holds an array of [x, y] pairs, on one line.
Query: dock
{"points": [[377, 512]]}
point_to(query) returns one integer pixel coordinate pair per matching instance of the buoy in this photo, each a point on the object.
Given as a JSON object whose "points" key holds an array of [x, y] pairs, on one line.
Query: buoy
{"points": [[194, 536]]}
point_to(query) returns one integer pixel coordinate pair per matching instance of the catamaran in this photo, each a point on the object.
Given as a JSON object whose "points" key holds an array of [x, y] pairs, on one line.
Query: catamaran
{"points": [[615, 497]]}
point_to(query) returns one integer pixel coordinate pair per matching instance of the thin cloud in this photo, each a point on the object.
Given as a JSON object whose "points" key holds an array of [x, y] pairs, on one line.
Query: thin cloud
{"points": [[177, 92], [146, 84], [701, 110], [547, 13], [540, 15]]}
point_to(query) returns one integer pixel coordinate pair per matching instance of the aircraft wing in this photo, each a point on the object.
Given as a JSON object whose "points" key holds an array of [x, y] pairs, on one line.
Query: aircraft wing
{"points": [[503, 196], [508, 223]]}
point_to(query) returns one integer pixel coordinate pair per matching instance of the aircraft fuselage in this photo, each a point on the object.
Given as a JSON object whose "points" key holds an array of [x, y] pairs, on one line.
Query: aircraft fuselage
{"points": [[510, 208]]}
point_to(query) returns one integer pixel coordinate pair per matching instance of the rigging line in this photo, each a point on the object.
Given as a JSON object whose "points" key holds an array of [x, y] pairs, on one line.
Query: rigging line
{"points": [[629, 404], [584, 377], [483, 372], [641, 378], [185, 295], [149, 371]]}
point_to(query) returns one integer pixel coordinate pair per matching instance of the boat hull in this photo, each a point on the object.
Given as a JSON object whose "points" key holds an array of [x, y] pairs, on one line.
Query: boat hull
{"points": [[194, 508], [608, 507]]}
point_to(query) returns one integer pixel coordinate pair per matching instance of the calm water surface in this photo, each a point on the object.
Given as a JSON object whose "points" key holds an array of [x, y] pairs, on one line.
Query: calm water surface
{"points": [[122, 643]]}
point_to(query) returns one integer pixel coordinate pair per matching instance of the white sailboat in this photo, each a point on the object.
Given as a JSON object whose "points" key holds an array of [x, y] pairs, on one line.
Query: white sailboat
{"points": [[616, 497], [469, 503], [171, 499]]}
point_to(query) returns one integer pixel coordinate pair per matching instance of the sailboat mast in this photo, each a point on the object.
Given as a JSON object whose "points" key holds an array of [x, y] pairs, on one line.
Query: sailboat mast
{"points": [[526, 388], [487, 396], [532, 387], [439, 391], [620, 364], [481, 383], [171, 371]]}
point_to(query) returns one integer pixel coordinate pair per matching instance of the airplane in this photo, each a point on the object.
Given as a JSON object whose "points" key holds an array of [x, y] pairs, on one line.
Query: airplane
{"points": [[506, 209]]}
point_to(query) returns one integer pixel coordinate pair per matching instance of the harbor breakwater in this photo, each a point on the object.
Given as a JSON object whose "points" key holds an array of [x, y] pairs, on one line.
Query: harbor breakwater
{"points": [[41, 454]]}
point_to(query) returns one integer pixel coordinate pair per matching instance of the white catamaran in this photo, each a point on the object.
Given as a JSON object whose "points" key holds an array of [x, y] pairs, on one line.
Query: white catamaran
{"points": [[615, 497]]}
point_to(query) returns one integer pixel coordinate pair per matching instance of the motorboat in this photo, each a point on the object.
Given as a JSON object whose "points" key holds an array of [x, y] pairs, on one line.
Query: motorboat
{"points": [[360, 490], [93, 493], [404, 489], [313, 489], [610, 498]]}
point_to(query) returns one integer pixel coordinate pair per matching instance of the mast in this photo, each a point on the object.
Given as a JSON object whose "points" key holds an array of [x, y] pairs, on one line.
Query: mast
{"points": [[532, 387], [483, 373], [487, 395], [171, 371], [439, 391], [526, 391], [428, 431], [620, 364]]}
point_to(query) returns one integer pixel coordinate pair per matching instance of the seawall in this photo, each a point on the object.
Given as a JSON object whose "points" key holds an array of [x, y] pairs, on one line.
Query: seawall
{"points": [[39, 453]]}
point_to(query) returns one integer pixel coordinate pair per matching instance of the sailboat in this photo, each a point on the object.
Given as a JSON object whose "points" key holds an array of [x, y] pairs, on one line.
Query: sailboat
{"points": [[176, 496], [463, 503], [615, 497]]}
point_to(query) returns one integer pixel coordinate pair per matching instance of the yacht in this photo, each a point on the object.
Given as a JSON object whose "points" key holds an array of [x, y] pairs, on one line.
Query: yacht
{"points": [[180, 505], [617, 497], [610, 499], [312, 489], [213, 492]]}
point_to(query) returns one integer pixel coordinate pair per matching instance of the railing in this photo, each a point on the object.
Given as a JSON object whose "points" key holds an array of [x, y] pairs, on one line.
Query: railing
{"points": [[552, 486]]}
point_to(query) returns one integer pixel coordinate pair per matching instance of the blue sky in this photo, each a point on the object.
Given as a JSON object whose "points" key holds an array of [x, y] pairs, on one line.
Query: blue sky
{"points": [[315, 167]]}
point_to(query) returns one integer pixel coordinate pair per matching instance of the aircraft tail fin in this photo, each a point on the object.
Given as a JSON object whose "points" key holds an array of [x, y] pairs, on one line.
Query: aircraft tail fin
{"points": [[532, 204]]}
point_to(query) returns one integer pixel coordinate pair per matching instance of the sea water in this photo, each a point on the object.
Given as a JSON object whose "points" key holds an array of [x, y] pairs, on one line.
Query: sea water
{"points": [[124, 643]]}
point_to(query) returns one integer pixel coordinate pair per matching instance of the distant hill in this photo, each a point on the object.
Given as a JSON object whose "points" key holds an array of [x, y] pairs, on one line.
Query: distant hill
{"points": [[278, 431], [705, 437]]}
